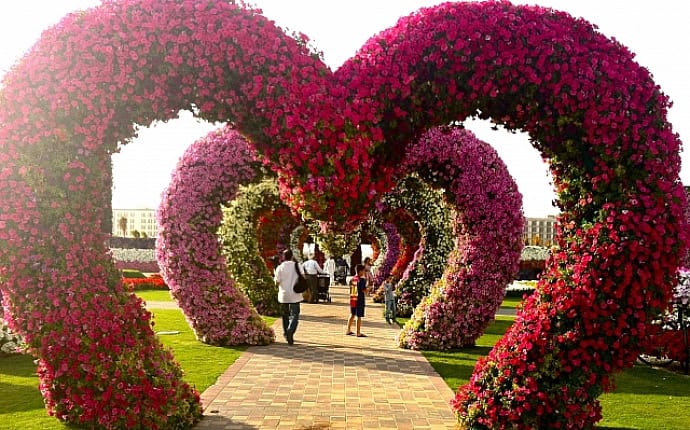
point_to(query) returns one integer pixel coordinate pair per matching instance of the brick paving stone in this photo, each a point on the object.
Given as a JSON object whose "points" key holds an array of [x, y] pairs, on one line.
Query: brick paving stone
{"points": [[328, 380]]}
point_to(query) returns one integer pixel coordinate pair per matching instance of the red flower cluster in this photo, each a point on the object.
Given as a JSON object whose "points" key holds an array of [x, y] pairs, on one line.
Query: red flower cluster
{"points": [[151, 282], [273, 232]]}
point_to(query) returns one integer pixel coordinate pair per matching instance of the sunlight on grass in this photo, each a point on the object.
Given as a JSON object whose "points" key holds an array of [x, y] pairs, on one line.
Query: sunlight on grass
{"points": [[202, 363], [21, 404], [645, 398], [154, 295], [511, 302]]}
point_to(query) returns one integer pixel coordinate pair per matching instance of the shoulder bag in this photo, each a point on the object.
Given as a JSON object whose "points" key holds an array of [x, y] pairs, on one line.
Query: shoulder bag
{"points": [[301, 285]]}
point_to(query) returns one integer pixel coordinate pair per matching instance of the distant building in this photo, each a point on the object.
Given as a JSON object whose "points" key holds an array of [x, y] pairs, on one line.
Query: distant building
{"points": [[540, 231], [141, 220]]}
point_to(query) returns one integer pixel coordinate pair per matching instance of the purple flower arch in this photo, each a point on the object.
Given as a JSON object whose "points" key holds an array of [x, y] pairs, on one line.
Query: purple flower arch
{"points": [[488, 225], [188, 250], [594, 113], [392, 253]]}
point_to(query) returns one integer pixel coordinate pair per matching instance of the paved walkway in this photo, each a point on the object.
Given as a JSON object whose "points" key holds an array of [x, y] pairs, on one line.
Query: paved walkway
{"points": [[327, 380]]}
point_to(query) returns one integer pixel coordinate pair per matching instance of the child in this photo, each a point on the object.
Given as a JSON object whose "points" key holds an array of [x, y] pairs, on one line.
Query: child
{"points": [[357, 306], [389, 298]]}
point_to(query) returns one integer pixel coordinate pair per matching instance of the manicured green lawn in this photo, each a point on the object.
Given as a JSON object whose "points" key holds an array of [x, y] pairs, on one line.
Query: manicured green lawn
{"points": [[645, 398], [21, 404], [154, 295], [511, 302]]}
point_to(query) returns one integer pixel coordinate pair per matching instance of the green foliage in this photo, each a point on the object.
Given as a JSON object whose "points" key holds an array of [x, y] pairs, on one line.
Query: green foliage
{"points": [[241, 244], [336, 244], [428, 207]]}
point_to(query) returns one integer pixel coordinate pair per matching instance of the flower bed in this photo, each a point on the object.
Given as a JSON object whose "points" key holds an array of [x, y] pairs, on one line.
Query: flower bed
{"points": [[135, 259], [150, 283], [10, 343]]}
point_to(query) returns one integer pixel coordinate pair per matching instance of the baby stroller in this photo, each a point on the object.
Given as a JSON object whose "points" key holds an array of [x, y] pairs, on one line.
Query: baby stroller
{"points": [[340, 275], [323, 282]]}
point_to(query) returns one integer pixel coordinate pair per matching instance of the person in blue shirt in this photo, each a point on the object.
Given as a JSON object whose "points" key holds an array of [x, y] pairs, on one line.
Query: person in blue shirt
{"points": [[389, 299], [357, 304]]}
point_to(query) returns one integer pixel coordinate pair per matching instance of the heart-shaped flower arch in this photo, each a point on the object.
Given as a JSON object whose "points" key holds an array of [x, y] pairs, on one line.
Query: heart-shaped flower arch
{"points": [[595, 114], [488, 226], [239, 233], [391, 253], [188, 251], [433, 218]]}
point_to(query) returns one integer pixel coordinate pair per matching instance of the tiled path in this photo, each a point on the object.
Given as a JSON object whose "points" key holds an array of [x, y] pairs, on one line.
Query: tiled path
{"points": [[327, 380]]}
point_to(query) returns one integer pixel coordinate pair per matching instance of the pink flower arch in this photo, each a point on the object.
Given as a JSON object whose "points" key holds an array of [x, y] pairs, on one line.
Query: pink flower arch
{"points": [[188, 250], [594, 113], [488, 226]]}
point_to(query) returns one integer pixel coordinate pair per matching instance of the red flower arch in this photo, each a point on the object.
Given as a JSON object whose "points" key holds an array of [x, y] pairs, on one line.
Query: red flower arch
{"points": [[590, 109], [600, 121]]}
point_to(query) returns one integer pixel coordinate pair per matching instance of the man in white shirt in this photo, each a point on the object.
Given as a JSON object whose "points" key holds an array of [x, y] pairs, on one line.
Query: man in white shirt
{"points": [[311, 271], [286, 277]]}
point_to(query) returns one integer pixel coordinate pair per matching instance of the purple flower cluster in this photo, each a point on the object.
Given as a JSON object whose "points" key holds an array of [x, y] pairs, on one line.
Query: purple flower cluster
{"points": [[488, 225], [188, 251], [392, 253]]}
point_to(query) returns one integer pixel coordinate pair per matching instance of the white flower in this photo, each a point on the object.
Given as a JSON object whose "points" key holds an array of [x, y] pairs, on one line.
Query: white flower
{"points": [[136, 255]]}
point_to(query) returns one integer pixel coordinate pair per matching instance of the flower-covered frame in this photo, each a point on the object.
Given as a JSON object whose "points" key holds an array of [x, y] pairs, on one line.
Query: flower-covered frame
{"points": [[592, 111], [188, 251], [487, 226]]}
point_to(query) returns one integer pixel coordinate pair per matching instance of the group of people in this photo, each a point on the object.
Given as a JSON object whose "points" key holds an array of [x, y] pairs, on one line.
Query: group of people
{"points": [[287, 274]]}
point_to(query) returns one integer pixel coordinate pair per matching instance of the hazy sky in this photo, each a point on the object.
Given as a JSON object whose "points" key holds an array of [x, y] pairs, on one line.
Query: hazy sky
{"points": [[658, 32]]}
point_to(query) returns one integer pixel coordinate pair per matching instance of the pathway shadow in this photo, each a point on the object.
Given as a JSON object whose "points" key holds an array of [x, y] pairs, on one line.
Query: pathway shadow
{"points": [[218, 422], [341, 320], [370, 358]]}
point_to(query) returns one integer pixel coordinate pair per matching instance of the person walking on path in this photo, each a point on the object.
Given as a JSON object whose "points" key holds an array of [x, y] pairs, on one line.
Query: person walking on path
{"points": [[389, 299], [286, 276], [312, 271], [342, 270], [357, 306]]}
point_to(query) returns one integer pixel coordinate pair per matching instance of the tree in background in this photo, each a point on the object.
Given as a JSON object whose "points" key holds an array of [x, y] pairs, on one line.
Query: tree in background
{"points": [[122, 223]]}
